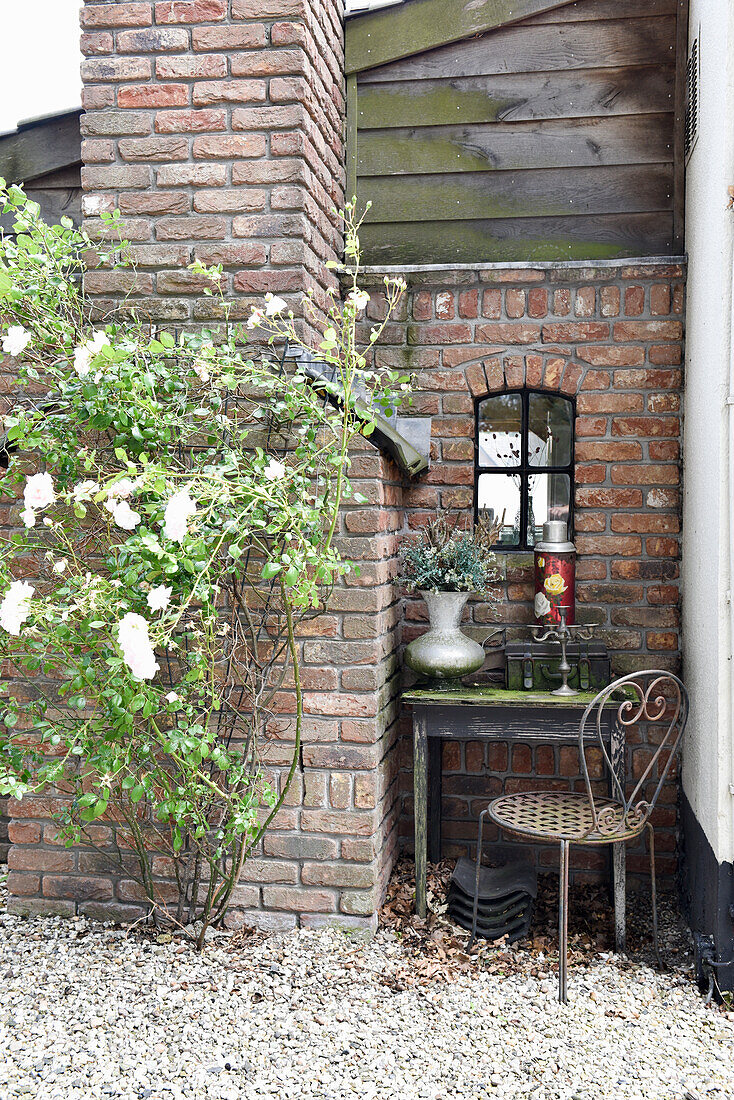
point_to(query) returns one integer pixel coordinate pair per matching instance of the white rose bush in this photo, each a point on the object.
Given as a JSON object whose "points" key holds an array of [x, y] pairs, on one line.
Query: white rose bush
{"points": [[177, 509]]}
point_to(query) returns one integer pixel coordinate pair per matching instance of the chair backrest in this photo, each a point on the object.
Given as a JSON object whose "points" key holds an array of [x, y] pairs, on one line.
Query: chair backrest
{"points": [[651, 696]]}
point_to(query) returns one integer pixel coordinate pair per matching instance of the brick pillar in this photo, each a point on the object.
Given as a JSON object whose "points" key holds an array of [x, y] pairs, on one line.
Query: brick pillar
{"points": [[216, 129], [215, 126]]}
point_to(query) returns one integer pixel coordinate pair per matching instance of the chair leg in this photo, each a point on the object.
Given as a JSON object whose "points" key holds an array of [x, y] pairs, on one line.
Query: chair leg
{"points": [[563, 924], [475, 907], [654, 896]]}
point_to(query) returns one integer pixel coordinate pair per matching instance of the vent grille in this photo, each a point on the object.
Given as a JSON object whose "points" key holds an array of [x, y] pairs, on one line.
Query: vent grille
{"points": [[692, 81]]}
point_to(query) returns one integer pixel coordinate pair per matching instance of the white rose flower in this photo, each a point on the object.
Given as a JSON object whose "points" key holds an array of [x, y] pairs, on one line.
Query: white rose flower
{"points": [[180, 506], [84, 490], [16, 606], [173, 697], [200, 370], [16, 340], [274, 470], [122, 488], [124, 516], [29, 517], [39, 492], [358, 299], [60, 565], [85, 352], [274, 305], [159, 597], [255, 317], [542, 605], [137, 651]]}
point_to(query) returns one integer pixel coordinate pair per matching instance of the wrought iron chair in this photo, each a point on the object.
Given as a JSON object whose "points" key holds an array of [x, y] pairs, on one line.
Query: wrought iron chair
{"points": [[588, 818]]}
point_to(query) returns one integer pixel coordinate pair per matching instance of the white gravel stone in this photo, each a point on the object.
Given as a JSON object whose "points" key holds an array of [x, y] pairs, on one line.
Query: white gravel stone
{"points": [[88, 1012]]}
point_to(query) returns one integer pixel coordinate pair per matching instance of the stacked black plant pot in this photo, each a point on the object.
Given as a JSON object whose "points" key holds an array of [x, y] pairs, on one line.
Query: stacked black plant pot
{"points": [[505, 899]]}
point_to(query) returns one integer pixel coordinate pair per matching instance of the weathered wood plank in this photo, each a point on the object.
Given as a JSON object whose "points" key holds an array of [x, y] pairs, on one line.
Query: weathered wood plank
{"points": [[351, 137], [547, 192], [499, 240], [549, 144], [381, 36], [40, 148], [679, 140], [606, 44], [589, 10], [516, 97]]}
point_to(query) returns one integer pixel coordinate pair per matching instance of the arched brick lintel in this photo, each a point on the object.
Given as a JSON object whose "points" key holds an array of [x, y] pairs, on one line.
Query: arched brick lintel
{"points": [[553, 372]]}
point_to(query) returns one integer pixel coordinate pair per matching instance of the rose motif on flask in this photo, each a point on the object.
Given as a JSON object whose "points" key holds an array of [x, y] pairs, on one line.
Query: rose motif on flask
{"points": [[554, 584], [542, 605]]}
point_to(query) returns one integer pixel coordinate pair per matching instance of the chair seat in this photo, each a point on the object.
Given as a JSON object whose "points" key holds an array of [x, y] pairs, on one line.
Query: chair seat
{"points": [[564, 815]]}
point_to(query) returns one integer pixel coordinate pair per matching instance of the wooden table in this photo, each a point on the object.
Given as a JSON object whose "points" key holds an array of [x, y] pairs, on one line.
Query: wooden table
{"points": [[493, 714]]}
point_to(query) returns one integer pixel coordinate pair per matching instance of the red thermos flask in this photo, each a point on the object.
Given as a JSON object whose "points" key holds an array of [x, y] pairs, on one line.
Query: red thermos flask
{"points": [[555, 574]]}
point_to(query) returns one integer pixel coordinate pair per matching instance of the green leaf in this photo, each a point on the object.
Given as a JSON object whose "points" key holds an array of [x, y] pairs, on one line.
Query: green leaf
{"points": [[270, 570], [137, 793], [166, 339]]}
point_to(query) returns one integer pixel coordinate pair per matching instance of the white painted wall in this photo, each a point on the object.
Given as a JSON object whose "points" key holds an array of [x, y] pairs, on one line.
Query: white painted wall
{"points": [[708, 758]]}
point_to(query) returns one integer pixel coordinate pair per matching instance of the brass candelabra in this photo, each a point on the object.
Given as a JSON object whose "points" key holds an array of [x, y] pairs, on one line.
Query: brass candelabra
{"points": [[562, 633]]}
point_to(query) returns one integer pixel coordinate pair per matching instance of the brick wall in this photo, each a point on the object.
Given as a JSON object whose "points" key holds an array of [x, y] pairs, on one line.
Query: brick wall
{"points": [[215, 126], [216, 129], [611, 337]]}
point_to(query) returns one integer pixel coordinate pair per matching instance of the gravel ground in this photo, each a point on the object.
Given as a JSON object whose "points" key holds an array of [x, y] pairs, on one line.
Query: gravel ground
{"points": [[89, 1011]]}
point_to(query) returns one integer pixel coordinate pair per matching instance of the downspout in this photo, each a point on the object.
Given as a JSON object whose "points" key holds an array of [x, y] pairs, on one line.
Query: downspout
{"points": [[730, 547]]}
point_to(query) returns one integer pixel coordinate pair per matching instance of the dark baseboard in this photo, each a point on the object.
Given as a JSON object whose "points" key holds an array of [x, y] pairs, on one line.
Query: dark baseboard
{"points": [[707, 888]]}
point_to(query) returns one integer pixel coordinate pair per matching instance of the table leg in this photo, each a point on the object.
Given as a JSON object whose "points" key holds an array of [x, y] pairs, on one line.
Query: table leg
{"points": [[435, 785], [619, 851], [420, 811]]}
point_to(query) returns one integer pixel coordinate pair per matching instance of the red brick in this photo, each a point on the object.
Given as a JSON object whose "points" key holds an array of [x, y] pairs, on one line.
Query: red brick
{"points": [[207, 92], [537, 302], [611, 545], [229, 146], [614, 355], [609, 498], [664, 450], [585, 301], [662, 594], [609, 402], [469, 303], [665, 354], [660, 299], [610, 300], [190, 122], [645, 523], [115, 69], [609, 451], [522, 763], [492, 304], [648, 330], [574, 332], [78, 887], [153, 95], [230, 38], [190, 228], [662, 548], [501, 333], [591, 425], [153, 148], [648, 379], [152, 40], [115, 177], [24, 832], [645, 475], [444, 306], [209, 66], [661, 640], [645, 425], [634, 301], [439, 334], [562, 302], [97, 44], [190, 11], [116, 15], [192, 175], [514, 302], [268, 62]]}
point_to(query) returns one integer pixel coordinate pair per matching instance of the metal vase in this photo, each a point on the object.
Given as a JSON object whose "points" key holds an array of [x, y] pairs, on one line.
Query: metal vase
{"points": [[444, 652]]}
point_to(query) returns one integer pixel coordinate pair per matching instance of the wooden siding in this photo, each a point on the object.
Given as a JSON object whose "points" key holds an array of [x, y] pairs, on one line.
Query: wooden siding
{"points": [[553, 138]]}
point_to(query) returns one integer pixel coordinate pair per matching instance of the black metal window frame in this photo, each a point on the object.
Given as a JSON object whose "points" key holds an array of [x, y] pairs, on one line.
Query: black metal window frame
{"points": [[524, 469]]}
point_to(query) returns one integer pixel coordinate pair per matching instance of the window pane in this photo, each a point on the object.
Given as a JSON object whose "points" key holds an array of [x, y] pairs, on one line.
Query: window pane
{"points": [[550, 430], [499, 496], [500, 424], [549, 499]]}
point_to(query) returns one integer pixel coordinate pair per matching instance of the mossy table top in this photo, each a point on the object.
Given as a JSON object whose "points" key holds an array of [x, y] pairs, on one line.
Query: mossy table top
{"points": [[494, 696]]}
